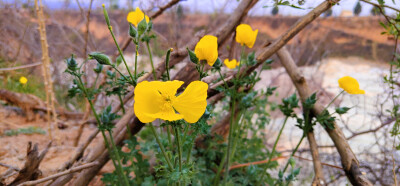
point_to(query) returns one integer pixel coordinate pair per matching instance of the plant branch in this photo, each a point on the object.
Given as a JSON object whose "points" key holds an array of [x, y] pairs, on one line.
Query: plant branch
{"points": [[69, 171]]}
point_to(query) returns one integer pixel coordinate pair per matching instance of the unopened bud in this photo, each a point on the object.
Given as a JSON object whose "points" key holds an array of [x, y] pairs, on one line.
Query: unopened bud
{"points": [[100, 58], [132, 31], [72, 64]]}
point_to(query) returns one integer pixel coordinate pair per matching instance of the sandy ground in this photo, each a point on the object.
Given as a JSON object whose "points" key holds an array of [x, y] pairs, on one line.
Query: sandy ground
{"points": [[13, 148]]}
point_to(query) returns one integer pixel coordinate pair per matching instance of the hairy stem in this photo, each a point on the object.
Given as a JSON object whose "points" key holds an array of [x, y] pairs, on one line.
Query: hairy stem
{"points": [[151, 61], [161, 146], [273, 149]]}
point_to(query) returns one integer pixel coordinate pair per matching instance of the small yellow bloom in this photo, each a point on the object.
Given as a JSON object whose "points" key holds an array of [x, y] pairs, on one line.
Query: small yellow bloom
{"points": [[157, 99], [350, 85], [23, 80], [136, 16], [207, 49], [245, 35], [231, 64]]}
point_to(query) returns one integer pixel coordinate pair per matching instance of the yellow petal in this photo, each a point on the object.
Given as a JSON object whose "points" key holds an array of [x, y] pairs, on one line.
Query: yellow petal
{"points": [[192, 102], [245, 35], [146, 96], [23, 80], [154, 100], [350, 85], [136, 16], [207, 49], [231, 64]]}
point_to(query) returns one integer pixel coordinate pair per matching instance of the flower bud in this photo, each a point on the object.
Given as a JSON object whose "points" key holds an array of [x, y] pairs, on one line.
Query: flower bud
{"points": [[218, 63], [106, 15], [98, 68], [149, 26], [142, 26], [100, 58], [132, 31], [292, 162], [72, 64]]}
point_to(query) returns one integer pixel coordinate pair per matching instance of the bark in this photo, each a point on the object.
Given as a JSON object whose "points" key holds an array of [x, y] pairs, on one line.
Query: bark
{"points": [[30, 103], [319, 176]]}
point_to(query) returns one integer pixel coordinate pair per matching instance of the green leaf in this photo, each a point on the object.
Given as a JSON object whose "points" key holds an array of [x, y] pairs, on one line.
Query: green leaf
{"points": [[382, 24], [310, 101], [342, 110], [192, 56], [118, 61]]}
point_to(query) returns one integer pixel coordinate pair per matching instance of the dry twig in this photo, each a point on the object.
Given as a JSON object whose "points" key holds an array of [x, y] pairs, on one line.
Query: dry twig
{"points": [[31, 171], [48, 82], [69, 171]]}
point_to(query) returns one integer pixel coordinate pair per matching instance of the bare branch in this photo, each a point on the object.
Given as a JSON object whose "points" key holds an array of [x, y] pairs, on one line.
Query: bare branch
{"points": [[69, 171], [21, 67], [378, 5]]}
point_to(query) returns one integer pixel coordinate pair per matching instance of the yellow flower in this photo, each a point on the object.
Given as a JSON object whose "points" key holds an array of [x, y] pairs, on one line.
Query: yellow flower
{"points": [[207, 49], [157, 99], [350, 85], [231, 64], [245, 35], [23, 80], [136, 16]]}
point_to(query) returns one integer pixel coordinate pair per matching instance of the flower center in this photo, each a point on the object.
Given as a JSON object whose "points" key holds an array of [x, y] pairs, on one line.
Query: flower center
{"points": [[167, 101]]}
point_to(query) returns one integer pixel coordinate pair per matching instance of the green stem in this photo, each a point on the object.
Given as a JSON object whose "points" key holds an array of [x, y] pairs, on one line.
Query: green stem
{"points": [[151, 61], [167, 62], [178, 143], [122, 103], [226, 84], [294, 151], [95, 81], [99, 123], [118, 158], [169, 136], [136, 55], [273, 149], [116, 69], [240, 62], [220, 167], [306, 129], [233, 108], [333, 100], [185, 132], [128, 130], [228, 151], [236, 133], [161, 147], [190, 150], [121, 54]]}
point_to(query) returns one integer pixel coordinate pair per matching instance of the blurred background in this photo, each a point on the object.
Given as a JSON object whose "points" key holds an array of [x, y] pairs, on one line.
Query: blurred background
{"points": [[345, 40]]}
